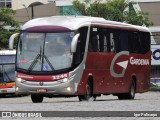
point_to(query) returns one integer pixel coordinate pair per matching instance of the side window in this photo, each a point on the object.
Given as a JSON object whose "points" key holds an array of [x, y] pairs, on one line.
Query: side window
{"points": [[94, 44], [105, 40], [145, 42], [124, 41], [135, 42], [116, 37], [78, 56], [101, 40], [116, 40], [139, 42], [108, 40], [112, 44], [119, 40]]}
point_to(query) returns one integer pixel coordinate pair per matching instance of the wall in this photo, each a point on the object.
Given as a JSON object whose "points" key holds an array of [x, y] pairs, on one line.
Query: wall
{"points": [[38, 11], [153, 8], [19, 4]]}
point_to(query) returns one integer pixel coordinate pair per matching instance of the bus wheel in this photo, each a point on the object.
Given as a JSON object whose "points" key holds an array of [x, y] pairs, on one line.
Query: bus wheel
{"points": [[94, 97], [2, 95], [131, 93], [36, 98], [89, 91], [121, 96]]}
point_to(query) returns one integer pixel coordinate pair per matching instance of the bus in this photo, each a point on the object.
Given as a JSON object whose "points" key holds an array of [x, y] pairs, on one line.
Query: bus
{"points": [[155, 64], [67, 56], [7, 72], [7, 68]]}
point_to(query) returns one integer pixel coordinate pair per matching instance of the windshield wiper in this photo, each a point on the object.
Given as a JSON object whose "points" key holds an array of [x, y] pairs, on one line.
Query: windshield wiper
{"points": [[40, 53], [39, 56], [49, 63], [34, 62]]}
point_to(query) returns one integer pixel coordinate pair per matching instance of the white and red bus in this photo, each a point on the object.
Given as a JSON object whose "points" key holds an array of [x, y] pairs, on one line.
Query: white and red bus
{"points": [[82, 56], [7, 72], [7, 68]]}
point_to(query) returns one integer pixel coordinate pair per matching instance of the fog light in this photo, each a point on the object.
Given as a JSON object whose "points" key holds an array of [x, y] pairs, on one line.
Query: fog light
{"points": [[68, 88], [17, 88]]}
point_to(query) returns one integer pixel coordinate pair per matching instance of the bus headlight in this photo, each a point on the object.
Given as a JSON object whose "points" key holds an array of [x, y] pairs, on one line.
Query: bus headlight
{"points": [[19, 79], [64, 80]]}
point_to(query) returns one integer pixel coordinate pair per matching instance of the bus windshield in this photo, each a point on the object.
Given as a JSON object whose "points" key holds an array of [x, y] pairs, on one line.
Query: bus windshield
{"points": [[7, 73], [7, 68], [44, 51]]}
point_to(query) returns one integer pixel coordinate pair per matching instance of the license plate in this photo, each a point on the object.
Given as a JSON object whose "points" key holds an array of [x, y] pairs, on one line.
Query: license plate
{"points": [[3, 91], [41, 90]]}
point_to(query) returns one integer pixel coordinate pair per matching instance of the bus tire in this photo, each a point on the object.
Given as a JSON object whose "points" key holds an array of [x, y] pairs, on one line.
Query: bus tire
{"points": [[2, 95], [83, 98], [36, 98], [89, 93], [121, 96], [131, 93], [94, 97]]}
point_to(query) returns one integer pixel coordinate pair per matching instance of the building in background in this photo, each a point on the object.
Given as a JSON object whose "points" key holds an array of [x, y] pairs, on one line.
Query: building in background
{"points": [[6, 3], [36, 11], [20, 4], [29, 9], [152, 7]]}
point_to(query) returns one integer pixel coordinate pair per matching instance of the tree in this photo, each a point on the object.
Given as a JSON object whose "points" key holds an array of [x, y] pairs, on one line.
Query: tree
{"points": [[6, 19], [116, 10]]}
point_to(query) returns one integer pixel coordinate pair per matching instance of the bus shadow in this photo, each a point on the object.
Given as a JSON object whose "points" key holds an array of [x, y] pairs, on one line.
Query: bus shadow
{"points": [[11, 96], [77, 101]]}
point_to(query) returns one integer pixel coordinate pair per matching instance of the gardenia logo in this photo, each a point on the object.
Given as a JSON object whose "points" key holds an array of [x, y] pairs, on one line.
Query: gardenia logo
{"points": [[124, 64], [139, 61]]}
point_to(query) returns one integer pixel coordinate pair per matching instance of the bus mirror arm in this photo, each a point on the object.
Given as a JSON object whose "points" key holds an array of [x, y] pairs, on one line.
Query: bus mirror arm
{"points": [[74, 43], [11, 40]]}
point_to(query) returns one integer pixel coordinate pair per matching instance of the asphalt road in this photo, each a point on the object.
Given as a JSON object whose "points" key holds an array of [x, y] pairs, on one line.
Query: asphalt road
{"points": [[149, 101]]}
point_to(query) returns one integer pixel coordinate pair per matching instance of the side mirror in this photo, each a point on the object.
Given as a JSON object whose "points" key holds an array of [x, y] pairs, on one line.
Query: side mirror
{"points": [[74, 43], [11, 40]]}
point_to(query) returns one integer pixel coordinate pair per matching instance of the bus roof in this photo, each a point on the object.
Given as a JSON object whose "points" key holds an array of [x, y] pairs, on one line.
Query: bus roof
{"points": [[75, 22], [7, 52]]}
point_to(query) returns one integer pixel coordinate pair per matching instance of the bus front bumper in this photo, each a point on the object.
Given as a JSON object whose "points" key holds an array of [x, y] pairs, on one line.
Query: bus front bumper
{"points": [[60, 87], [7, 90]]}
